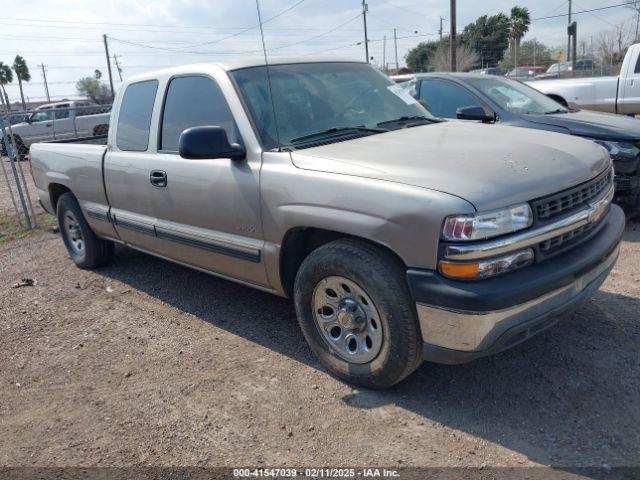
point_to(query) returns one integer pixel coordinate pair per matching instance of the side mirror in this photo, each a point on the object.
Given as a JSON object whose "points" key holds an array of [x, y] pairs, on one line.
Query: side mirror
{"points": [[208, 142], [474, 112], [28, 119]]}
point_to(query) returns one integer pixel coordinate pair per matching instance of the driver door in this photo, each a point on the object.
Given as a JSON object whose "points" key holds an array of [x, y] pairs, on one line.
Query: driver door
{"points": [[207, 211], [41, 128]]}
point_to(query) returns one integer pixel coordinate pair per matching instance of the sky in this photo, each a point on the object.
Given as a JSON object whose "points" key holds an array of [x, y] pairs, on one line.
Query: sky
{"points": [[67, 35]]}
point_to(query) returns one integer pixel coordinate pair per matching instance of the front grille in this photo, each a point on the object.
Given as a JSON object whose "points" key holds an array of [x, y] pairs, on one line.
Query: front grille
{"points": [[555, 244], [622, 182], [565, 202]]}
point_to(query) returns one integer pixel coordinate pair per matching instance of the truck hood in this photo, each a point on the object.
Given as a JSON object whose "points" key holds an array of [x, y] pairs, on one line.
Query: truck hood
{"points": [[489, 166], [583, 123]]}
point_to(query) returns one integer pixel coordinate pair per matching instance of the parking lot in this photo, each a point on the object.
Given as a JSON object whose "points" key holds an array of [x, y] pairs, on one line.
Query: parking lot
{"points": [[149, 363]]}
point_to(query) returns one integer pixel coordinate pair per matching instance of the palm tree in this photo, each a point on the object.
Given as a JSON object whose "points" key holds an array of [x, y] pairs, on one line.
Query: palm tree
{"points": [[520, 21], [6, 77], [23, 75]]}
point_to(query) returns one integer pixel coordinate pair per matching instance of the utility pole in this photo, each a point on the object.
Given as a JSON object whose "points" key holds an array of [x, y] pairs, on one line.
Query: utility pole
{"points": [[106, 51], [452, 36], [395, 46], [365, 7], [115, 59], [440, 31], [44, 77], [573, 30], [569, 36], [384, 54]]}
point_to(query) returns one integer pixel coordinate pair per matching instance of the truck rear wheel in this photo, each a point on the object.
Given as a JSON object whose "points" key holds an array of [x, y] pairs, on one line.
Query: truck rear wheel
{"points": [[356, 313], [85, 248]]}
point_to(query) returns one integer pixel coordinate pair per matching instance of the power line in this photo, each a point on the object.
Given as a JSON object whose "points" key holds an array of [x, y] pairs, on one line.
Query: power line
{"points": [[253, 27], [597, 17], [154, 47], [560, 15], [557, 8], [316, 36]]}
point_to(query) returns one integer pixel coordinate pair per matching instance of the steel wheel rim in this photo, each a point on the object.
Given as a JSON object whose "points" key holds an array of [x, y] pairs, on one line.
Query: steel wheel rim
{"points": [[73, 233], [347, 319]]}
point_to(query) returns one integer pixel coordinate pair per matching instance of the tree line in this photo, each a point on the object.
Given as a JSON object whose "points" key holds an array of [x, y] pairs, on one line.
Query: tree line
{"points": [[90, 87], [492, 40]]}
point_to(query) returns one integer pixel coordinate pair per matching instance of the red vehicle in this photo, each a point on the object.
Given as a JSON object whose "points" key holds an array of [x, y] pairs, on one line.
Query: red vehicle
{"points": [[525, 73]]}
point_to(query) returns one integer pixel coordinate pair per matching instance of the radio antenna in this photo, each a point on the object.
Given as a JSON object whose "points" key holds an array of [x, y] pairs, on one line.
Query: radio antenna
{"points": [[266, 63]]}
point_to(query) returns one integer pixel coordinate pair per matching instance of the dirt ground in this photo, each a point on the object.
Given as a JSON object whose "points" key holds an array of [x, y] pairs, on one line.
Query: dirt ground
{"points": [[148, 363]]}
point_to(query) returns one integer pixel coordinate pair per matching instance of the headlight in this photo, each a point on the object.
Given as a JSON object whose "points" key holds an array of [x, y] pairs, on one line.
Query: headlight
{"points": [[619, 150], [483, 225]]}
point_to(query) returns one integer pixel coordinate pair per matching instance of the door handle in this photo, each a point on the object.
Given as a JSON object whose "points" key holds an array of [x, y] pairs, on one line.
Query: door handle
{"points": [[47, 124], [158, 178]]}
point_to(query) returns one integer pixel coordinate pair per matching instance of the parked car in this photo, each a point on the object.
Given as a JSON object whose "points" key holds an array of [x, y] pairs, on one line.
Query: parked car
{"points": [[399, 237], [619, 94], [59, 121], [525, 73], [506, 102], [489, 71], [584, 67]]}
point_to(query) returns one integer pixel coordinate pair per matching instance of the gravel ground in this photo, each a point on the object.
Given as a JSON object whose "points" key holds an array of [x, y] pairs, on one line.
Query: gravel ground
{"points": [[148, 363]]}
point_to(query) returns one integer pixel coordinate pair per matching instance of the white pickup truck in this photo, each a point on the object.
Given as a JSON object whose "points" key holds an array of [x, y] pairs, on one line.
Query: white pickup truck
{"points": [[607, 94], [60, 121]]}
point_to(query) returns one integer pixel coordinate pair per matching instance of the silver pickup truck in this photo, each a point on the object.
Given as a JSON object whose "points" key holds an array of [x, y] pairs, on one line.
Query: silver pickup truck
{"points": [[398, 236]]}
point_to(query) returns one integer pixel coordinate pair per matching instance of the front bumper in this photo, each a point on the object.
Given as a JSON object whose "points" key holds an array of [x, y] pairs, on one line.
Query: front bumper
{"points": [[462, 321]]}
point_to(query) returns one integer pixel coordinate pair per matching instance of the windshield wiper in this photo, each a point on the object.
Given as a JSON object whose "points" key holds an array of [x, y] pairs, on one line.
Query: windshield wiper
{"points": [[330, 131], [409, 118]]}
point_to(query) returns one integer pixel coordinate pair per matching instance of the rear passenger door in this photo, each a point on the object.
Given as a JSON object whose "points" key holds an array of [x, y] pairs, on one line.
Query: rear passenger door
{"points": [[208, 212], [126, 168]]}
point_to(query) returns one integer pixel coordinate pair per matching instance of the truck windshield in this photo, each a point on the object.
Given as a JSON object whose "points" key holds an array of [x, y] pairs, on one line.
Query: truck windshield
{"points": [[516, 97], [335, 99]]}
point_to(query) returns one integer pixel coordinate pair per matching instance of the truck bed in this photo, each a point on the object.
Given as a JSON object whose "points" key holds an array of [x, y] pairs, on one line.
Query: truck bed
{"points": [[69, 165]]}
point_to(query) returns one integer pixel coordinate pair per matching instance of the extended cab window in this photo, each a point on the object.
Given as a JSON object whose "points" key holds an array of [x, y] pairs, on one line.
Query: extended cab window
{"points": [[193, 102], [134, 118], [62, 111], [444, 98]]}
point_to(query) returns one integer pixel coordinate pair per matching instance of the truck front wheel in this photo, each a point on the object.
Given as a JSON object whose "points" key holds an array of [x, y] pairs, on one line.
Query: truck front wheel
{"points": [[356, 313], [85, 248]]}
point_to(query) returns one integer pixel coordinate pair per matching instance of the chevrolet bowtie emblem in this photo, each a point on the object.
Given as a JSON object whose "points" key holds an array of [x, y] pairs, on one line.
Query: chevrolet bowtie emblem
{"points": [[597, 209]]}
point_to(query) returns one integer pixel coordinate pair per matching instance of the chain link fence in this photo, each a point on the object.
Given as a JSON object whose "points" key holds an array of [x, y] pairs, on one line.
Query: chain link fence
{"points": [[60, 121]]}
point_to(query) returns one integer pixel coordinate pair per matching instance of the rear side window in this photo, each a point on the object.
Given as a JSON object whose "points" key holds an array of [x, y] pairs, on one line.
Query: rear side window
{"points": [[444, 98], [62, 111], [193, 102], [637, 70], [134, 118]]}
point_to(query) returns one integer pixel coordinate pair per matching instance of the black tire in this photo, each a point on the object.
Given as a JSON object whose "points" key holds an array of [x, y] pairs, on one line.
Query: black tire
{"points": [[22, 149], [383, 278], [95, 252]]}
